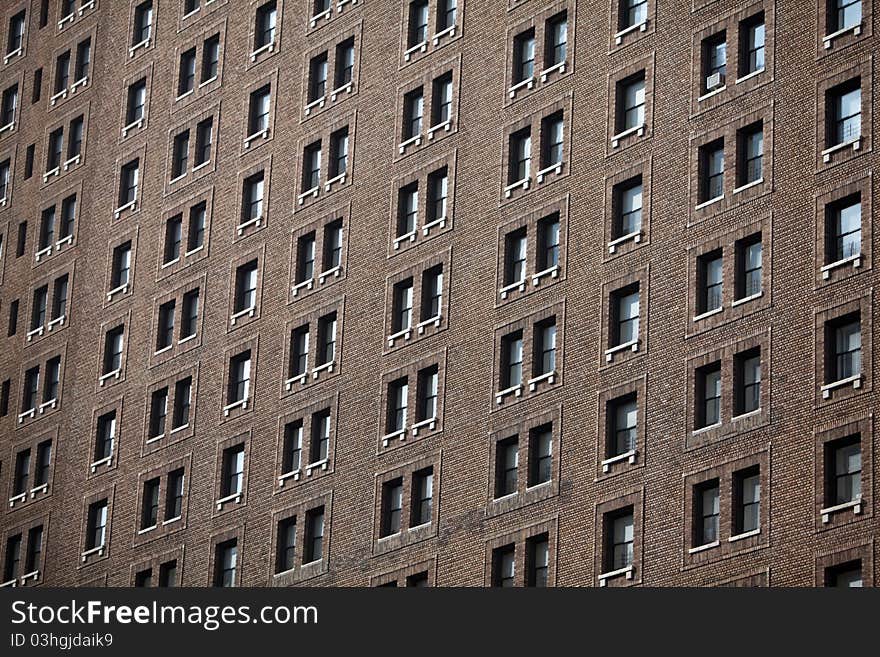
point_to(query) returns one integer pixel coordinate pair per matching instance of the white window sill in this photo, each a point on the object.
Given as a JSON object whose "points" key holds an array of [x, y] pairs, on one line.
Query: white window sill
{"points": [[748, 77], [421, 326], [131, 205], [855, 144], [30, 413], [636, 237], [61, 95], [555, 168], [827, 41], [419, 47], [9, 127], [235, 498], [703, 548], [43, 253], [185, 94], [446, 126], [201, 165], [307, 284], [708, 427], [109, 375], [318, 102], [122, 289], [855, 260], [333, 272], [269, 47], [326, 367], [855, 381], [256, 221], [170, 520], [12, 55], [347, 88], [186, 338], [182, 427], [549, 377], [96, 550], [146, 530], [293, 474], [336, 179], [551, 272], [132, 51], [629, 456], [42, 488], [709, 313], [241, 403], [51, 172], [711, 201], [528, 83], [400, 434], [324, 14], [11, 584], [72, 162], [410, 236], [35, 332], [136, 125], [21, 497], [448, 32], [744, 535], [194, 251], [518, 285], [313, 192], [633, 345], [299, 378], [638, 130], [82, 82], [35, 575], [547, 72], [855, 505], [712, 93], [754, 183], [519, 184], [404, 335], [604, 577], [170, 263], [205, 83], [751, 297], [317, 465], [440, 224], [430, 424], [250, 139], [51, 404], [108, 461], [155, 439], [241, 314], [743, 416], [641, 27], [516, 391], [415, 140]]}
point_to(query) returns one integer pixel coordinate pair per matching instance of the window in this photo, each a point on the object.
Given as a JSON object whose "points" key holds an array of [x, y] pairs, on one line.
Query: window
{"points": [[226, 563], [113, 341], [413, 106], [423, 497], [292, 447], [34, 549], [317, 78], [544, 360], [504, 566], [844, 107], [446, 14], [8, 106], [339, 153], [68, 216], [622, 418], [245, 288], [54, 150], [751, 155], [168, 574], [143, 23], [749, 254], [189, 316], [53, 379], [196, 233], [305, 258], [631, 103], [83, 61], [520, 156], [43, 464], [747, 501], [326, 339], [144, 578], [285, 558], [747, 382], [619, 540], [204, 139], [174, 495], [264, 28], [540, 455], [844, 15], [441, 110], [843, 221], [552, 134], [150, 504], [299, 352], [847, 575], [345, 63], [104, 437], [402, 306], [62, 73], [752, 46], [712, 171], [512, 357], [398, 392], [708, 394], [239, 378], [59, 298], [408, 210], [843, 467], [4, 397], [13, 558], [12, 329], [627, 201], [557, 40], [506, 467], [515, 250], [186, 72], [182, 403], [392, 506], [5, 179], [844, 340], [232, 473], [180, 155], [632, 13], [22, 472], [15, 36], [128, 184], [710, 273], [432, 293], [537, 560], [320, 444], [333, 245], [252, 199], [96, 525], [190, 6], [37, 87], [311, 167], [136, 102], [158, 412], [428, 379], [314, 547], [438, 191], [38, 307], [121, 267], [625, 317], [417, 33], [258, 111], [714, 62], [29, 155], [524, 57], [210, 58], [707, 509]]}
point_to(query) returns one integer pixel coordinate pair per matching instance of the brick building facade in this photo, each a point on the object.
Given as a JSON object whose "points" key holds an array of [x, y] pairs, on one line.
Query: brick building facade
{"points": [[365, 292]]}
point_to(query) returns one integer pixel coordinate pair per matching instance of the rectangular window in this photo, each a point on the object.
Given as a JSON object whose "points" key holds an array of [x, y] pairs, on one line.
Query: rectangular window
{"points": [[844, 340], [708, 395], [68, 216], [751, 154], [186, 72], [143, 23], [204, 141], [515, 254], [8, 105], [55, 150], [707, 509], [428, 380], [34, 549], [441, 110], [752, 40], [632, 13], [311, 167], [432, 293], [392, 506], [12, 328], [847, 575], [417, 32], [189, 319], [749, 266], [446, 15], [524, 56], [38, 307], [105, 436], [62, 73], [548, 242], [408, 209], [520, 156], [150, 504], [557, 40], [239, 378], [264, 27], [121, 269], [438, 191], [398, 393], [168, 574], [619, 540], [403, 304], [623, 416], [318, 78], [210, 58], [537, 560], [5, 178], [423, 497], [326, 339], [15, 36], [299, 352], [182, 403], [21, 476], [173, 234], [43, 464], [843, 222], [314, 548], [252, 198], [136, 101], [844, 109], [196, 235], [53, 380], [843, 468], [511, 360], [553, 138], [504, 566], [258, 111], [339, 153], [712, 171], [232, 471], [344, 63], [320, 444], [747, 500], [710, 281], [245, 287], [305, 258], [332, 245], [413, 109], [83, 60], [158, 412], [844, 15], [113, 342], [293, 441], [625, 316], [540, 454], [226, 564], [285, 557], [544, 357], [12, 566], [165, 330], [715, 62], [631, 103], [96, 525], [506, 466], [174, 495], [747, 382], [128, 183]]}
